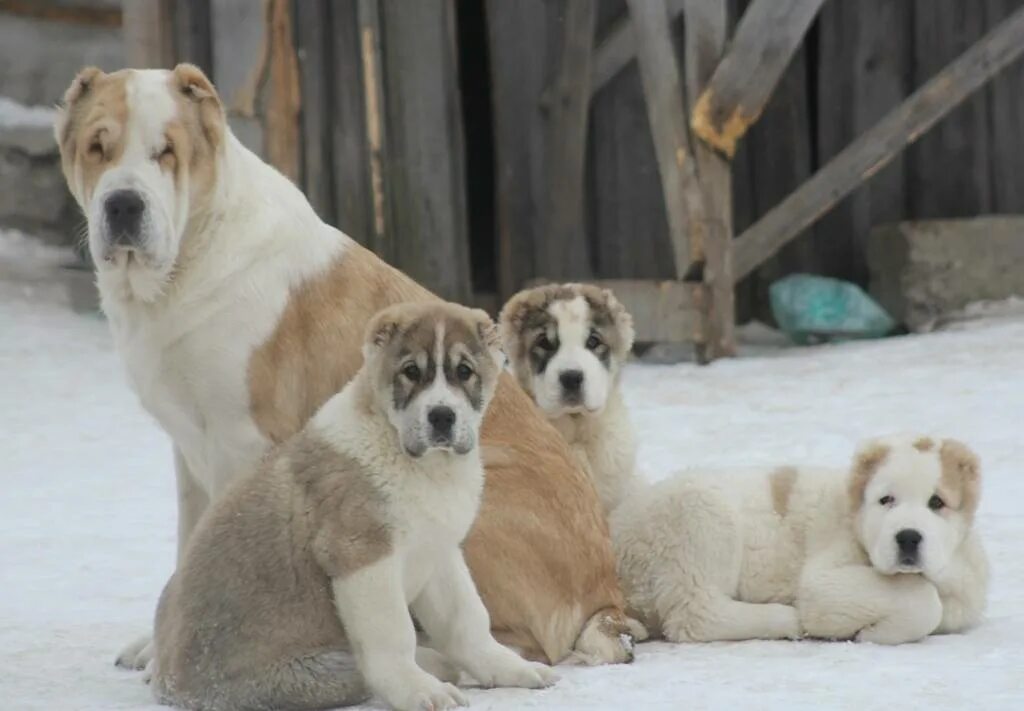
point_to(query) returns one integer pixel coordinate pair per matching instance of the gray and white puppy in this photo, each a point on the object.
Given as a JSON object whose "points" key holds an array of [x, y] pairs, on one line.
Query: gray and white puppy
{"points": [[295, 588]]}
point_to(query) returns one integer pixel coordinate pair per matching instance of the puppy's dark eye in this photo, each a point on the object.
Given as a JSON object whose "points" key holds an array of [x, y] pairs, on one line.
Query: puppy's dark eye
{"points": [[544, 343], [593, 341], [936, 503], [464, 372], [886, 500], [412, 372]]}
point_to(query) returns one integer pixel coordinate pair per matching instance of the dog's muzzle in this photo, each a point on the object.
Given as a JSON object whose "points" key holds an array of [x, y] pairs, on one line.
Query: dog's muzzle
{"points": [[123, 211]]}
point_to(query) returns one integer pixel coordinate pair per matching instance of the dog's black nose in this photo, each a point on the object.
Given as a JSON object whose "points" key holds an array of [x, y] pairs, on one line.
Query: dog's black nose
{"points": [[908, 540], [124, 210], [571, 380], [441, 419]]}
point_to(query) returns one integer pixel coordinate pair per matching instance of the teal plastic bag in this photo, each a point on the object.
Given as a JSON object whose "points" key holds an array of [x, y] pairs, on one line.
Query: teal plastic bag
{"points": [[812, 309]]}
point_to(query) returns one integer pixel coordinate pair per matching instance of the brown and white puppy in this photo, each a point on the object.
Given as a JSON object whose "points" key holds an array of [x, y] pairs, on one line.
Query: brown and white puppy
{"points": [[884, 552], [238, 313], [567, 344], [294, 588]]}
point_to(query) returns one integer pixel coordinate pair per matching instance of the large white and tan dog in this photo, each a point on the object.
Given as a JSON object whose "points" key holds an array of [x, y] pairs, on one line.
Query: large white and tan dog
{"points": [[238, 313], [294, 589], [885, 552], [566, 344]]}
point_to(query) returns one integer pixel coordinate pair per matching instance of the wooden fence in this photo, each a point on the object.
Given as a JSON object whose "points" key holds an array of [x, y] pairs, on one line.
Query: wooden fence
{"points": [[443, 133]]}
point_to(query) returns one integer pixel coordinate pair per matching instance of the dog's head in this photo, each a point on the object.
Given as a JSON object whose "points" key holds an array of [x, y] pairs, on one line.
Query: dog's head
{"points": [[914, 501], [139, 151], [567, 344], [433, 369]]}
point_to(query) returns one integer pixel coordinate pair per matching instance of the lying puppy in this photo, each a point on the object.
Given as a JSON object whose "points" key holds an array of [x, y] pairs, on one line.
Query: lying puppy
{"points": [[884, 553], [294, 591], [567, 344]]}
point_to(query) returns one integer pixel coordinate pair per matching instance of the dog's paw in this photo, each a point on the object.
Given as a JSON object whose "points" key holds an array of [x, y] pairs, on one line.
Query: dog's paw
{"points": [[637, 630], [436, 664], [605, 640], [438, 697], [137, 655], [518, 673]]}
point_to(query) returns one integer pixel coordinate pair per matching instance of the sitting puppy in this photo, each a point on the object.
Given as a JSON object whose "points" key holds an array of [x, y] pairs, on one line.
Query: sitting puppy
{"points": [[567, 344], [295, 589], [884, 553]]}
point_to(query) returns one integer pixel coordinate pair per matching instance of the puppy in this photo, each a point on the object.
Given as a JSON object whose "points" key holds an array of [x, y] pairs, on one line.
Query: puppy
{"points": [[885, 552], [566, 344], [295, 589]]}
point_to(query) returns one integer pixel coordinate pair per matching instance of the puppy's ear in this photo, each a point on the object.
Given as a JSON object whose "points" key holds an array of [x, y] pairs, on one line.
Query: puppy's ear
{"points": [[512, 319], [622, 319], [866, 462], [489, 335], [380, 330], [80, 87], [195, 86], [961, 475]]}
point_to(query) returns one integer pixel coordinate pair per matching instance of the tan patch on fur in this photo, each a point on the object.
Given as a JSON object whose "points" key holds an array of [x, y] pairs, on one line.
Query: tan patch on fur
{"points": [[539, 550], [197, 132], [782, 481], [346, 511], [924, 444], [960, 485], [865, 464]]}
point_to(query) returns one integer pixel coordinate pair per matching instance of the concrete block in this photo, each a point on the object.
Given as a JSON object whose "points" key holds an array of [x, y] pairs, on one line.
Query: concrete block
{"points": [[925, 270]]}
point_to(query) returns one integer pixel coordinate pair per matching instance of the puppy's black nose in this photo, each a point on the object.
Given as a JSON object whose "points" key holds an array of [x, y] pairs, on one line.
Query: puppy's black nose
{"points": [[908, 540], [441, 419], [124, 210], [571, 380]]}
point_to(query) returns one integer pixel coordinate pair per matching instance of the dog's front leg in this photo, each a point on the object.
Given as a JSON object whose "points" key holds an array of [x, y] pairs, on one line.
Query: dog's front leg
{"points": [[455, 619], [963, 587], [373, 610]]}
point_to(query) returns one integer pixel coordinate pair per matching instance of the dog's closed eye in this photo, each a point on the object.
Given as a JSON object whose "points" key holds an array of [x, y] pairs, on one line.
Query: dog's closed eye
{"points": [[886, 501], [936, 503]]}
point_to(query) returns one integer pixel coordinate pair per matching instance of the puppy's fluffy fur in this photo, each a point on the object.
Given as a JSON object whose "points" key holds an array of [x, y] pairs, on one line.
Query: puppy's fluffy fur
{"points": [[884, 552], [567, 344], [294, 591]]}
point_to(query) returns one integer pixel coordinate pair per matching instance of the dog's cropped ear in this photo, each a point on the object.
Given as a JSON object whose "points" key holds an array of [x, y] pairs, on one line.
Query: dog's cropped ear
{"points": [[490, 336], [80, 87], [195, 86], [866, 461], [380, 330], [622, 319], [961, 476]]}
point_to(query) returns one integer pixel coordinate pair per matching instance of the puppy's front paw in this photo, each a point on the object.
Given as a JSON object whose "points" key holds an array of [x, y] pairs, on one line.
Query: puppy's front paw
{"points": [[137, 654], [438, 697], [511, 670]]}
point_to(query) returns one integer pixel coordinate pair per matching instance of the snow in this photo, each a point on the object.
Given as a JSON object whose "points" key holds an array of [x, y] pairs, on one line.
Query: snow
{"points": [[87, 521]]}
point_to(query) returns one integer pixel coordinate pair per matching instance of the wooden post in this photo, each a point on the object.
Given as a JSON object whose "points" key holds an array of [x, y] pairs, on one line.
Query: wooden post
{"points": [[313, 49], [149, 33], [875, 148], [284, 100], [567, 104]]}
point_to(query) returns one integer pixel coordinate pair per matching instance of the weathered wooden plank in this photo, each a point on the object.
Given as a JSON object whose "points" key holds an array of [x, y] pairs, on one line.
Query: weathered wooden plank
{"points": [[283, 97], [567, 103], [425, 156], [864, 70], [239, 41], [1006, 119], [382, 236], [312, 40], [192, 41], [873, 150], [706, 26], [663, 88], [768, 35], [942, 30], [148, 35], [349, 153], [618, 48]]}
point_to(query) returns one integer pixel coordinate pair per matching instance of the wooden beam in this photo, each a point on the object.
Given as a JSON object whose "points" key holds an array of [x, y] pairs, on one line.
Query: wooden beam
{"points": [[284, 100], [768, 35], [567, 104], [663, 90], [706, 26], [148, 34], [618, 48], [874, 149], [663, 311]]}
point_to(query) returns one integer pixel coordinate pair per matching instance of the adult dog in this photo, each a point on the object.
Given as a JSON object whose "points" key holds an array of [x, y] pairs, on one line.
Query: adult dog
{"points": [[884, 552], [238, 313]]}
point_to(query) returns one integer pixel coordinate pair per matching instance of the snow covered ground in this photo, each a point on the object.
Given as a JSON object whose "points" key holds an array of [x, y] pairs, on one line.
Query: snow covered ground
{"points": [[87, 513]]}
